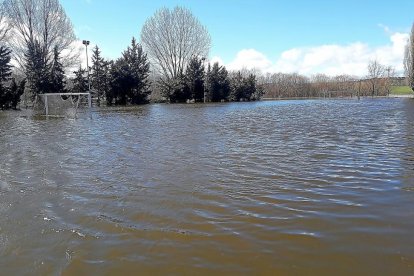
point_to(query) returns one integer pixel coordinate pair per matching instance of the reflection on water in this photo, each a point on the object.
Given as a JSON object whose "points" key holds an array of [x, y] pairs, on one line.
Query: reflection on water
{"points": [[304, 187]]}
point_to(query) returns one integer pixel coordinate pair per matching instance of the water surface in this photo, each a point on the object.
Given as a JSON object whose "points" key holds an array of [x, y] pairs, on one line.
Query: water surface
{"points": [[283, 187]]}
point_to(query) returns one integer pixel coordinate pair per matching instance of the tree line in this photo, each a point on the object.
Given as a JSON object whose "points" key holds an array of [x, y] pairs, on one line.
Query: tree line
{"points": [[168, 64], [127, 81], [377, 82]]}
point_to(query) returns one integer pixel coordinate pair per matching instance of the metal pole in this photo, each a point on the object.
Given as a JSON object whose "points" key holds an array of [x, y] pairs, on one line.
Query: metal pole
{"points": [[89, 100], [47, 106], [86, 43], [87, 66]]}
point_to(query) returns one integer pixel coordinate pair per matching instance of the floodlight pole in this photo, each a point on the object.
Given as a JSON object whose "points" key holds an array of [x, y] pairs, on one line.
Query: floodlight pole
{"points": [[86, 43]]}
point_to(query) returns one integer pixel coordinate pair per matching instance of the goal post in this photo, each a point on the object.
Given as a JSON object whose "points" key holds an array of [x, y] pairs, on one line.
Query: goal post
{"points": [[61, 104]]}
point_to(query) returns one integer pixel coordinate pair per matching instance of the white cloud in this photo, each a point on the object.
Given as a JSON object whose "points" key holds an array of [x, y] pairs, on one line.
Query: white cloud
{"points": [[292, 54], [330, 59], [250, 59]]}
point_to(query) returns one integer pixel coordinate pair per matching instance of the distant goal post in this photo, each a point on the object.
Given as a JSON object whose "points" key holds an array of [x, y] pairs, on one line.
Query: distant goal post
{"points": [[61, 104]]}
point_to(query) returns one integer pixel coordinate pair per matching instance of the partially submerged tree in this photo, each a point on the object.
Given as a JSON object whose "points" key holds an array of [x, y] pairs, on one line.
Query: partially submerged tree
{"points": [[237, 87], [129, 77], [16, 90], [10, 90], [99, 75], [375, 72], [5, 74], [218, 83], [195, 79], [244, 88], [172, 38], [409, 59]]}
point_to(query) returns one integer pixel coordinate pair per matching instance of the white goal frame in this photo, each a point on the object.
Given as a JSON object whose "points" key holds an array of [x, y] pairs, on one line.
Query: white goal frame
{"points": [[45, 95]]}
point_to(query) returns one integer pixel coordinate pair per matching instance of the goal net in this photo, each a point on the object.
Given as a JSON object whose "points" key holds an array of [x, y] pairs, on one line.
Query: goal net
{"points": [[61, 104]]}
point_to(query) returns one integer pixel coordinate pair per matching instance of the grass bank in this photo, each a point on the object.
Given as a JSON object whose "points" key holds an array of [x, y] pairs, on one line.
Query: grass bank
{"points": [[401, 90]]}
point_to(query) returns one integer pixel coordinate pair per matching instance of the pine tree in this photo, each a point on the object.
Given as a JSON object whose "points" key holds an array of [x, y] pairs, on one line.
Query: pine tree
{"points": [[195, 79], [129, 76], [80, 82], [107, 67], [218, 83], [174, 90], [99, 74], [37, 68], [249, 87], [179, 90], [5, 66], [244, 88], [120, 82], [237, 87], [5, 73], [139, 65], [57, 75], [16, 90]]}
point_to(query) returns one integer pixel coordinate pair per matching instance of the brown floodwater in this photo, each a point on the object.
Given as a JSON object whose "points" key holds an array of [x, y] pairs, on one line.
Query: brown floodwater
{"points": [[306, 187]]}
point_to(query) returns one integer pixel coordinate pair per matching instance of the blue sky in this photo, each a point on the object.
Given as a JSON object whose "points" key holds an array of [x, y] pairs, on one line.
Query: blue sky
{"points": [[304, 36]]}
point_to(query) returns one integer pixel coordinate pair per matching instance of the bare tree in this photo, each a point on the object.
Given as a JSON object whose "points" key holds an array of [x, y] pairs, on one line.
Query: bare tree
{"points": [[390, 74], [375, 72], [4, 24], [409, 59], [172, 38], [44, 22]]}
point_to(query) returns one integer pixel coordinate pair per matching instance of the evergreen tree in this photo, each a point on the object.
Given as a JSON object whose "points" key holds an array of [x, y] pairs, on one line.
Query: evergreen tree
{"points": [[139, 65], [5, 66], [195, 79], [15, 92], [129, 76], [237, 87], [37, 68], [108, 67], [80, 82], [5, 73], [218, 83], [57, 75], [175, 90], [249, 87], [120, 82], [244, 88], [179, 89], [99, 75]]}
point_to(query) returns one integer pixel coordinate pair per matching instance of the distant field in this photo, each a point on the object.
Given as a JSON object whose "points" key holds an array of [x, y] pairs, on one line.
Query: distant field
{"points": [[401, 90]]}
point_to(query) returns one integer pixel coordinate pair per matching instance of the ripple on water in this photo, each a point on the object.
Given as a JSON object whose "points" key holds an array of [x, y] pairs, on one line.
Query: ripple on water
{"points": [[284, 187]]}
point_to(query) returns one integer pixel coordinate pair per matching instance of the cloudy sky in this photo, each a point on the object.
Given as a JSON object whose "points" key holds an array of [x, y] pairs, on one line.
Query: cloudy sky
{"points": [[332, 37]]}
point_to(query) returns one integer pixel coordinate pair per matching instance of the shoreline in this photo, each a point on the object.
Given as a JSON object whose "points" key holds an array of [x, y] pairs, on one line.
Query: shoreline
{"points": [[338, 98]]}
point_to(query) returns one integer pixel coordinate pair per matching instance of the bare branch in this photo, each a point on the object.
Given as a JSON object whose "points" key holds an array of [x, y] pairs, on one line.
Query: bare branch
{"points": [[44, 21], [172, 38]]}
